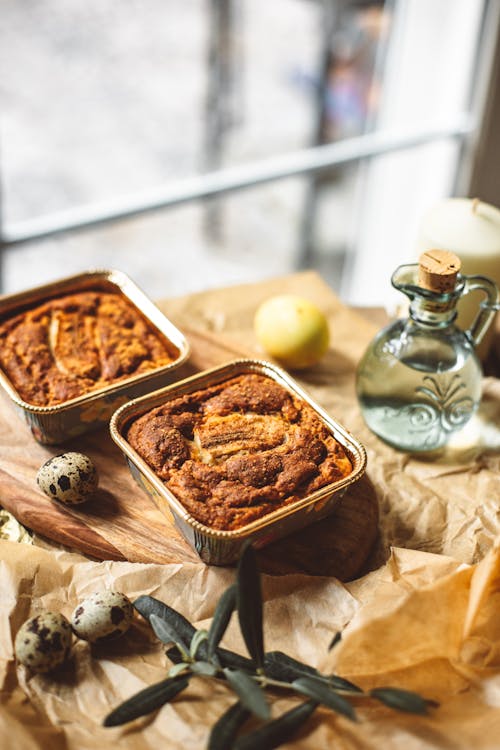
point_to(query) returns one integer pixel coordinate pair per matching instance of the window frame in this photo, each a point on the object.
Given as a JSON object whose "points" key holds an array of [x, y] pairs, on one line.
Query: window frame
{"points": [[473, 134]]}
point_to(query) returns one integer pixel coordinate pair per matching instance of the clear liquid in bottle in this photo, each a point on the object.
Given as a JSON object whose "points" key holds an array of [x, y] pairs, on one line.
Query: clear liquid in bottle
{"points": [[415, 400]]}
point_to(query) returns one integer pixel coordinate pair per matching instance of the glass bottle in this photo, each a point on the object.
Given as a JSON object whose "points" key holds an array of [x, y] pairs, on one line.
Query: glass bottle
{"points": [[420, 379]]}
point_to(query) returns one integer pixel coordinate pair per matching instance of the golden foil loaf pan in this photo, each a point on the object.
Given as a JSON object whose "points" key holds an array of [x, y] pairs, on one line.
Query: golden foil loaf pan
{"points": [[220, 547], [60, 422]]}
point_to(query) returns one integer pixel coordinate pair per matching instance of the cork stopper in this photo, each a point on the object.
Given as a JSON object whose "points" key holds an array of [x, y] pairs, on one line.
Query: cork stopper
{"points": [[438, 270]]}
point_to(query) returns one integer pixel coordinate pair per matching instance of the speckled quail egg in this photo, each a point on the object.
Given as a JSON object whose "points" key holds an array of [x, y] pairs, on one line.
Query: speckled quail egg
{"points": [[43, 642], [102, 616], [68, 477]]}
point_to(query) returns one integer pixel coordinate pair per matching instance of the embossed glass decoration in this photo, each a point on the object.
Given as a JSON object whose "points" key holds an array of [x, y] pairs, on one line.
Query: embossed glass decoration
{"points": [[420, 379]]}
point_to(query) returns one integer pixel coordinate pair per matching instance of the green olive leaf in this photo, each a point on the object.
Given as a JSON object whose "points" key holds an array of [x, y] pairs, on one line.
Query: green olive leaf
{"points": [[324, 695], [250, 605], [339, 683], [275, 732], [236, 661], [204, 668], [401, 700], [177, 669], [148, 605], [223, 611], [249, 692], [336, 639], [226, 728], [197, 640], [174, 654], [167, 634], [280, 666], [164, 630], [227, 658], [146, 700]]}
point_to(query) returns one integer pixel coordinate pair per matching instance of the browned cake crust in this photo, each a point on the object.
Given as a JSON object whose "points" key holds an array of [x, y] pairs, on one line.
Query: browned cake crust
{"points": [[78, 343], [233, 452]]}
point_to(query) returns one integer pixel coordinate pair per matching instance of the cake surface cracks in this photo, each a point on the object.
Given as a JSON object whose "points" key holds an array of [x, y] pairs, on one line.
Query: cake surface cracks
{"points": [[234, 452], [78, 343]]}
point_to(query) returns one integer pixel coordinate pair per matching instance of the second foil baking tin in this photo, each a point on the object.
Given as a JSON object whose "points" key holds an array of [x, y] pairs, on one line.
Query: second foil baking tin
{"points": [[214, 546], [61, 422]]}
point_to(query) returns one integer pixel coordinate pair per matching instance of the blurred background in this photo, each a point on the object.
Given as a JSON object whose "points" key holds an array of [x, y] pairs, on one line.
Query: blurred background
{"points": [[202, 143]]}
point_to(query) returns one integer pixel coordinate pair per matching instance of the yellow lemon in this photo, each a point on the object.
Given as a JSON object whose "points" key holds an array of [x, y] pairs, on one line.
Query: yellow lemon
{"points": [[292, 330]]}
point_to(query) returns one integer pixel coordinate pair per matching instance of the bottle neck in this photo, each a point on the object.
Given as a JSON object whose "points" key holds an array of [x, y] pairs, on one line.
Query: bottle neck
{"points": [[429, 309], [432, 315]]}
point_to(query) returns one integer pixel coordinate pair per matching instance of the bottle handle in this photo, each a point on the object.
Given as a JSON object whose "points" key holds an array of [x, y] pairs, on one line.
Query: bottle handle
{"points": [[487, 308]]}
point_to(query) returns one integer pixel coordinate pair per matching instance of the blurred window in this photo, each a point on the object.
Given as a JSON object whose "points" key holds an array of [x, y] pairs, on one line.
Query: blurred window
{"points": [[97, 104]]}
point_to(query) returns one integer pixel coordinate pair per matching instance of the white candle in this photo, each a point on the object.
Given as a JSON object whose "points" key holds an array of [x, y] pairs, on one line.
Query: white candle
{"points": [[471, 229]]}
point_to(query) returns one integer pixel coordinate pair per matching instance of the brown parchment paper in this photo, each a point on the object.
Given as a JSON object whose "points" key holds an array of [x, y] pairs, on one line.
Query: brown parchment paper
{"points": [[422, 621], [425, 618]]}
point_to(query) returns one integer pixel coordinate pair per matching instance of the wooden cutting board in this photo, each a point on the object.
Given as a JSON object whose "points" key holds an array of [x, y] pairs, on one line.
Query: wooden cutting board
{"points": [[122, 522]]}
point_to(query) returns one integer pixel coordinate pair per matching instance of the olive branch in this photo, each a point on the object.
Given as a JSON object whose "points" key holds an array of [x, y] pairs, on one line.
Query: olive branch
{"points": [[196, 653]]}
